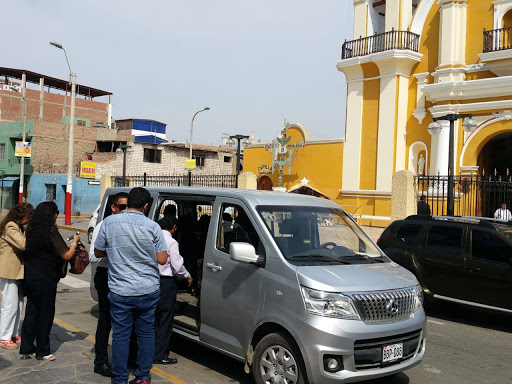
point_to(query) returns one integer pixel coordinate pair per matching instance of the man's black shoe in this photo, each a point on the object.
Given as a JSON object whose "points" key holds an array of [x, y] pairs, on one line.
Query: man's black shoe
{"points": [[103, 370], [166, 361]]}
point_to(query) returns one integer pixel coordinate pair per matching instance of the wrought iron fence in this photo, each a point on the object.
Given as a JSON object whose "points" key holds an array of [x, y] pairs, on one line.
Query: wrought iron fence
{"points": [[497, 39], [380, 42], [475, 195], [222, 181]]}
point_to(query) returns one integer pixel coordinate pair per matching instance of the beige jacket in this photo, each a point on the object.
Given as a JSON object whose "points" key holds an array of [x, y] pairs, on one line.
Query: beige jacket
{"points": [[12, 244]]}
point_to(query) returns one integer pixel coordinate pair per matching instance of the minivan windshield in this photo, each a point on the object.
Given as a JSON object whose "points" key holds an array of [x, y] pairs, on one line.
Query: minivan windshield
{"points": [[318, 235]]}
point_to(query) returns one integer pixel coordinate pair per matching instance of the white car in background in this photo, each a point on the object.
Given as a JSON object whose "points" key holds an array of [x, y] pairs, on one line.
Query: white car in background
{"points": [[92, 224]]}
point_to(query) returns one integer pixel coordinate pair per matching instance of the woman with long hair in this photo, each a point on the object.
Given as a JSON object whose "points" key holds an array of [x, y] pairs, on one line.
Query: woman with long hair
{"points": [[46, 253], [12, 245]]}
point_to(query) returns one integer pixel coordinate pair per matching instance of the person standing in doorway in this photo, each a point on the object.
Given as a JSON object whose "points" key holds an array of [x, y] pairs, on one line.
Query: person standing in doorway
{"points": [[423, 207], [503, 213], [101, 365], [172, 270], [134, 245]]}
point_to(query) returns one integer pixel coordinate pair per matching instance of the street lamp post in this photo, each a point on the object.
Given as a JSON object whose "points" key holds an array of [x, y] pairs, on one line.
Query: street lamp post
{"points": [[124, 148], [69, 184], [24, 138], [434, 128], [238, 138], [190, 144]]}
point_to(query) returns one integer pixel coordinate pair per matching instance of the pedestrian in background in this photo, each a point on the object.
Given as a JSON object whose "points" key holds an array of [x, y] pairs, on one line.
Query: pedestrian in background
{"points": [[118, 204], [172, 270], [12, 245], [423, 207], [134, 245], [503, 213], [44, 262]]}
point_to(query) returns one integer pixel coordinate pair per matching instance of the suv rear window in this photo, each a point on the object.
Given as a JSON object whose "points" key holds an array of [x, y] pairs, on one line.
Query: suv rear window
{"points": [[444, 239], [409, 233]]}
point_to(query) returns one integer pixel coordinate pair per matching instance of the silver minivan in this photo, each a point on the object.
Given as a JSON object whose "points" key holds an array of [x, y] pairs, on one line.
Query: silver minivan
{"points": [[290, 285]]}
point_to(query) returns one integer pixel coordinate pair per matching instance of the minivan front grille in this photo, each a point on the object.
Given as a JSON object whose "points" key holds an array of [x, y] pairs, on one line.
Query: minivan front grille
{"points": [[385, 305], [368, 353]]}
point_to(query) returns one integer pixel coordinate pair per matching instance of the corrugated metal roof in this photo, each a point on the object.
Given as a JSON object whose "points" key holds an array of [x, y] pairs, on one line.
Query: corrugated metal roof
{"points": [[63, 85]]}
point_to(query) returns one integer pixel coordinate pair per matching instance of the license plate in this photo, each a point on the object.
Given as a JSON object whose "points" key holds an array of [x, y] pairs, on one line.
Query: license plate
{"points": [[392, 352]]}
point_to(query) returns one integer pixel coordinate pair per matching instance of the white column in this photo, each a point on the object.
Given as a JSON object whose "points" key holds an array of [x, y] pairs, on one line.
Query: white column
{"points": [[41, 97], [353, 126], [398, 14], [401, 123], [386, 135], [420, 112], [439, 150], [452, 38], [360, 18]]}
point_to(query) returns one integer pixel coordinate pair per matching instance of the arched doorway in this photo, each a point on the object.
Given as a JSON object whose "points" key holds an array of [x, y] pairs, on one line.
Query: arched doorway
{"points": [[265, 183], [496, 156]]}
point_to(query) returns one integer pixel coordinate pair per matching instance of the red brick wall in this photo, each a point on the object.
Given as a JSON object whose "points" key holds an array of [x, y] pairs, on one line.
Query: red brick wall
{"points": [[53, 105]]}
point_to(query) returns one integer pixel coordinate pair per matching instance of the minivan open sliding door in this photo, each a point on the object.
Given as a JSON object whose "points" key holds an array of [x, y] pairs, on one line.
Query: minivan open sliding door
{"points": [[232, 292]]}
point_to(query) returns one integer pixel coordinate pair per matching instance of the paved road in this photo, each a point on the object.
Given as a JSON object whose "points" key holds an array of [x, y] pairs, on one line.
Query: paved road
{"points": [[464, 345]]}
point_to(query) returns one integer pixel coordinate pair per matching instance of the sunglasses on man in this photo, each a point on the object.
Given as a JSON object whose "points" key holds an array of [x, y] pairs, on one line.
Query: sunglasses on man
{"points": [[121, 207]]}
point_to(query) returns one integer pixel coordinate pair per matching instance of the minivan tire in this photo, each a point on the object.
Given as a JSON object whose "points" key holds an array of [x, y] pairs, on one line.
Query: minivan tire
{"points": [[265, 360]]}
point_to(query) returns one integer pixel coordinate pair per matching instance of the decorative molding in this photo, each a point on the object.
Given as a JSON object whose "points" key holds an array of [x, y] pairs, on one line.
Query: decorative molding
{"points": [[503, 115], [441, 110], [399, 55], [379, 77], [466, 90], [420, 114], [365, 193]]}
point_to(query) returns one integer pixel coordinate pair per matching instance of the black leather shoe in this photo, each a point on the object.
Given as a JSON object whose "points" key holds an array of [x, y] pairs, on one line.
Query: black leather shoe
{"points": [[103, 370], [166, 361]]}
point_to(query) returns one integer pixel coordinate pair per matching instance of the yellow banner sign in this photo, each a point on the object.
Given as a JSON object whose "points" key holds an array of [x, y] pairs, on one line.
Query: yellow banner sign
{"points": [[190, 164], [23, 149], [87, 170]]}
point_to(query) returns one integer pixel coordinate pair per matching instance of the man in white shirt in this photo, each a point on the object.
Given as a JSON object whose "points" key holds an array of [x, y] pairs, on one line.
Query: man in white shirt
{"points": [[169, 273], [503, 213]]}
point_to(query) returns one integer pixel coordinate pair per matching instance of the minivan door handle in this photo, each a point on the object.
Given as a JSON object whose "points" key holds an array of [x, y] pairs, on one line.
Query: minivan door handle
{"points": [[214, 267], [474, 269]]}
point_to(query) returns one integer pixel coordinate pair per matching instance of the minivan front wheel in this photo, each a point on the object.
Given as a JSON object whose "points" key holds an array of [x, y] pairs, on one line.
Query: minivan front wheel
{"points": [[277, 361]]}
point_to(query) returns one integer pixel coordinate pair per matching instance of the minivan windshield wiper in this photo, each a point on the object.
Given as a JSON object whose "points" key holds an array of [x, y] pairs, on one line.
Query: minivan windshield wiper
{"points": [[317, 257], [368, 256]]}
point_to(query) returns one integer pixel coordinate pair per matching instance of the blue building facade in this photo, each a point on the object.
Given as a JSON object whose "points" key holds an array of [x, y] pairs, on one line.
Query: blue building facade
{"points": [[86, 192]]}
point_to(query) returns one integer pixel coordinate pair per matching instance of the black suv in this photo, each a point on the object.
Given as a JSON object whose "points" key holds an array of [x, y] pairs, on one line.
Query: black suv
{"points": [[458, 257]]}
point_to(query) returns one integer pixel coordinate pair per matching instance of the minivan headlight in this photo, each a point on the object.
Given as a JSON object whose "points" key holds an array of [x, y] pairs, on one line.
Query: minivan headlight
{"points": [[418, 296], [329, 304]]}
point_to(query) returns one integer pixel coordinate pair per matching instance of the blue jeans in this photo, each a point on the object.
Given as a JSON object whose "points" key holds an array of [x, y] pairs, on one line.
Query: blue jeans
{"points": [[125, 311]]}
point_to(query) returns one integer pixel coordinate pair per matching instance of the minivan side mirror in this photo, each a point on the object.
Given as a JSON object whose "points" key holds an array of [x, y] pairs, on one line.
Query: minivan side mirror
{"points": [[243, 252]]}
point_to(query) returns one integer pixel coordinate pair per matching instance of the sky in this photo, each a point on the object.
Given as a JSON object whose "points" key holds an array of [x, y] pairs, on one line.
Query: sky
{"points": [[254, 63]]}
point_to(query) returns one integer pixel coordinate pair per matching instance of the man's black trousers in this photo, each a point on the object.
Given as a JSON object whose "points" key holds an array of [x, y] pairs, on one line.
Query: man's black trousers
{"points": [[165, 316]]}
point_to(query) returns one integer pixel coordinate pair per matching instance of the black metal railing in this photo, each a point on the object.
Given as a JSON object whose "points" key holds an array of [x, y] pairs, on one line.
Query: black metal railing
{"points": [[498, 39], [219, 181], [380, 42], [475, 195]]}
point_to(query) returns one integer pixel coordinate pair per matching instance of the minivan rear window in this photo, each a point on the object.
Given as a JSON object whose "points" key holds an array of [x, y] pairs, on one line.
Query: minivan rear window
{"points": [[409, 233], [444, 239]]}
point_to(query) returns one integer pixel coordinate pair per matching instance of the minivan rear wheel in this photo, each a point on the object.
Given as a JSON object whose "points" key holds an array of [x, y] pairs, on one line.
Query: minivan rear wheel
{"points": [[277, 360]]}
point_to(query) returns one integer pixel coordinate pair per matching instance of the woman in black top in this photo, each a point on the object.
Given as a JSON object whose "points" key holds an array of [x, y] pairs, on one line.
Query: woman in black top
{"points": [[46, 252]]}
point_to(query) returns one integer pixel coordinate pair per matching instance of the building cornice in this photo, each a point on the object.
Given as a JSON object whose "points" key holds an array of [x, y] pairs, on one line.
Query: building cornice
{"points": [[467, 90], [441, 110], [365, 193], [394, 61]]}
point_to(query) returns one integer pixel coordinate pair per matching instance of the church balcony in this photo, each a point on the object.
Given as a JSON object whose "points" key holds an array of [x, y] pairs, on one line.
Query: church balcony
{"points": [[380, 42], [498, 39], [497, 51]]}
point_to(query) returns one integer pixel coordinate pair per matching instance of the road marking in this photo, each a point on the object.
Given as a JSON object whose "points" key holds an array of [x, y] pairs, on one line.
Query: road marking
{"points": [[435, 322], [74, 282], [171, 378]]}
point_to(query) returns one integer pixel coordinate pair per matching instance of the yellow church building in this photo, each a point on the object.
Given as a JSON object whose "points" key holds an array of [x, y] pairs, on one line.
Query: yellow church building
{"points": [[412, 62]]}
